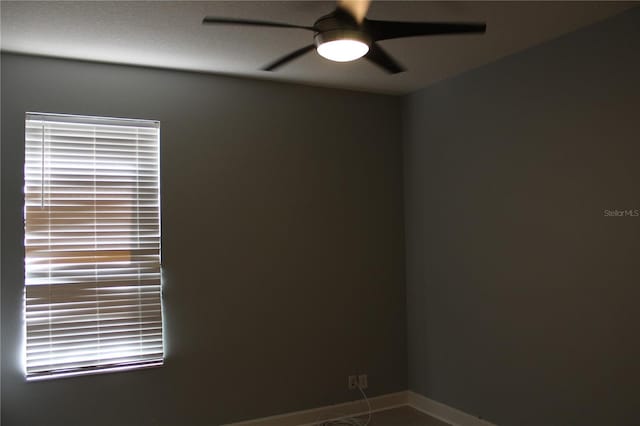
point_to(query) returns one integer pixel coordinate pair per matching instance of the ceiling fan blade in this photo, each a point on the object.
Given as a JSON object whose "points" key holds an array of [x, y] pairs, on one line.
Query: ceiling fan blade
{"points": [[380, 57], [385, 30], [290, 57], [356, 8], [251, 22]]}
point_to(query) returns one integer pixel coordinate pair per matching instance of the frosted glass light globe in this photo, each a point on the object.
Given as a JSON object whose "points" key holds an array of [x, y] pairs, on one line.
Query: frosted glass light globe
{"points": [[344, 50]]}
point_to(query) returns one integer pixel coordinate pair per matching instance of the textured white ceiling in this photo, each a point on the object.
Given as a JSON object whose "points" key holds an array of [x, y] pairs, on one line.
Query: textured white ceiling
{"points": [[169, 34]]}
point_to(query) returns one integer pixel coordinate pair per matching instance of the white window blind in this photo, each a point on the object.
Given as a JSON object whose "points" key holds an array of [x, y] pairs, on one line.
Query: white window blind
{"points": [[92, 245]]}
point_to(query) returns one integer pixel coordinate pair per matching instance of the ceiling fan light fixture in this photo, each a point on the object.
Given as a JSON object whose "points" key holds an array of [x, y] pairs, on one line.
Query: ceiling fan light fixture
{"points": [[344, 50], [342, 46]]}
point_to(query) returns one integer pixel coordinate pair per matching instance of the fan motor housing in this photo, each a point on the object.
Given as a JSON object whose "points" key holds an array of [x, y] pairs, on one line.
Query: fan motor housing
{"points": [[332, 35], [336, 20]]}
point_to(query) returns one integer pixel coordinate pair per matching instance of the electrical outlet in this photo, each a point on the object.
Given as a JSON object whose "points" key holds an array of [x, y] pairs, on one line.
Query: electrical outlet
{"points": [[363, 381], [353, 382]]}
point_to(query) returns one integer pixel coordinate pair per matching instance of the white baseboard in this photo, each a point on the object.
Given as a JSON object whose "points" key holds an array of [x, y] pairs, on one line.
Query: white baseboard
{"points": [[314, 416], [443, 412], [329, 412]]}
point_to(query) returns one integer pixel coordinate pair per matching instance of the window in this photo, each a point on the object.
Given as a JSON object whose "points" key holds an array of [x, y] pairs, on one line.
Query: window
{"points": [[92, 245]]}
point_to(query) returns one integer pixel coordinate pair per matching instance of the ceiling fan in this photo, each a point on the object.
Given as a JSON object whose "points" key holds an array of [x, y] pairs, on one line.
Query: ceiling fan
{"points": [[346, 34]]}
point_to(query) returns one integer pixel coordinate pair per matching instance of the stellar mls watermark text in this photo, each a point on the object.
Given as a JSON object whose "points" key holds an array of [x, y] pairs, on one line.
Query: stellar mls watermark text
{"points": [[622, 213]]}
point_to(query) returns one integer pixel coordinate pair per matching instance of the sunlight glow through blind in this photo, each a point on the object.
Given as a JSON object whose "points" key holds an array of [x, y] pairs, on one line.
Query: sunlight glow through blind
{"points": [[92, 245]]}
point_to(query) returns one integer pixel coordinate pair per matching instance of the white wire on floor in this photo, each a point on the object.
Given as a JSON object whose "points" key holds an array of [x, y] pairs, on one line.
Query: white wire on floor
{"points": [[351, 421]]}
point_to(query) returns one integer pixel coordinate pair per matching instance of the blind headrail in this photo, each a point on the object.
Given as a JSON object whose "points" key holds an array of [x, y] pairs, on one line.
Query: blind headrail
{"points": [[91, 120]]}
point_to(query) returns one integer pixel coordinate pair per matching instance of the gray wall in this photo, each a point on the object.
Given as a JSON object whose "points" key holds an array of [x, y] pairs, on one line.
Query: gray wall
{"points": [[522, 296], [282, 245]]}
